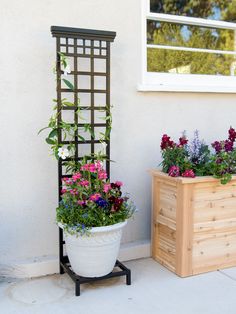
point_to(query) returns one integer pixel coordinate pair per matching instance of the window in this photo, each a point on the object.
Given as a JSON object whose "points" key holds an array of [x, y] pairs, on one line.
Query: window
{"points": [[189, 45]]}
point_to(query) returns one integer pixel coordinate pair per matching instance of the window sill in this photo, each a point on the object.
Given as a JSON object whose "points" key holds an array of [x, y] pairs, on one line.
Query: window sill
{"points": [[186, 88]]}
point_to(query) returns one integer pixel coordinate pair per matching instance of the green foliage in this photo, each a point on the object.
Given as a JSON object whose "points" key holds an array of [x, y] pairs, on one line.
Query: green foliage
{"points": [[68, 131], [164, 60], [201, 163], [176, 156], [68, 84], [223, 165]]}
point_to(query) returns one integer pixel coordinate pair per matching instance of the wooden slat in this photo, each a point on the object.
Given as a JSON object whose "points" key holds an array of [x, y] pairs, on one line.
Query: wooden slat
{"points": [[166, 222], [184, 231], [155, 210], [212, 250]]}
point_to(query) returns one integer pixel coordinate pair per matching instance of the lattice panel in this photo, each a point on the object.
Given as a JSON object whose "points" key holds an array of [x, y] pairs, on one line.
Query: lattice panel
{"points": [[88, 54]]}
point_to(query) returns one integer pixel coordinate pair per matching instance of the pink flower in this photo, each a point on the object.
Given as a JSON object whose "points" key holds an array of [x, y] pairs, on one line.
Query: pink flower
{"points": [[76, 176], [95, 197], [98, 165], [102, 175], [63, 191], [67, 180], [81, 202], [119, 183], [84, 167], [174, 171], [92, 168], [83, 183], [189, 173], [106, 187], [73, 192]]}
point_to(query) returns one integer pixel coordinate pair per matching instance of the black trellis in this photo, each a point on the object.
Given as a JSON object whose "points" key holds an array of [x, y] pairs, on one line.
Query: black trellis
{"points": [[88, 52]]}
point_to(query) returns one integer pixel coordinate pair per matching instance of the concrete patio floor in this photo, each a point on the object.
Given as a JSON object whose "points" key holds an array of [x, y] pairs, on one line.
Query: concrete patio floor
{"points": [[154, 290]]}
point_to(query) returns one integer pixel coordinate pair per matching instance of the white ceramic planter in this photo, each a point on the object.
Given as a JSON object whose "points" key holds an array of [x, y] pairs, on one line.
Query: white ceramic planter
{"points": [[94, 255]]}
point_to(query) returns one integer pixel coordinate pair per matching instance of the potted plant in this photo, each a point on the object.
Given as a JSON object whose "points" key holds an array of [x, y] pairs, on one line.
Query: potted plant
{"points": [[196, 159], [194, 205], [92, 213]]}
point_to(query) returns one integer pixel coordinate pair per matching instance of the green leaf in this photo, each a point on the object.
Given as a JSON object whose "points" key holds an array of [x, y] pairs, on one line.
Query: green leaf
{"points": [[81, 137], [47, 127], [68, 104], [50, 141], [86, 127], [53, 133], [68, 84]]}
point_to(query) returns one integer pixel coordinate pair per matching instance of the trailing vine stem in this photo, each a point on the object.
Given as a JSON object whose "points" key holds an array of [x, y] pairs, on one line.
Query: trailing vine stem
{"points": [[68, 130]]}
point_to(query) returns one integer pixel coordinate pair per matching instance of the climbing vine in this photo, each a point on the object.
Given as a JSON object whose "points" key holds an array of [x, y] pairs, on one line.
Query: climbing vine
{"points": [[69, 130]]}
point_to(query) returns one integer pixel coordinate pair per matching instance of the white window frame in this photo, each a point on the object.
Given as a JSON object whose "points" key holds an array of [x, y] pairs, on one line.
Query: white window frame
{"points": [[153, 81]]}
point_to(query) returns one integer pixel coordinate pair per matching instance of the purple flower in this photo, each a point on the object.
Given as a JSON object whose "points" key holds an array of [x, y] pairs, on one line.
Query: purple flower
{"points": [[218, 146], [228, 145], [232, 134], [196, 149], [101, 202]]}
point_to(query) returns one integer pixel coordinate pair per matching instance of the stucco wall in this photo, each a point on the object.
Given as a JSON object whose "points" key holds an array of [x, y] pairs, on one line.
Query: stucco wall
{"points": [[28, 174]]}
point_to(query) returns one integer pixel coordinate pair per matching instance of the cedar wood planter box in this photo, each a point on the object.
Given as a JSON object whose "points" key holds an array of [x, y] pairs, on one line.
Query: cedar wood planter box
{"points": [[193, 223]]}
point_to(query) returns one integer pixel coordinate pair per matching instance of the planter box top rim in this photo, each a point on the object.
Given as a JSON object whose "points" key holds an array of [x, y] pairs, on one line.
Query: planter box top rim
{"points": [[162, 175]]}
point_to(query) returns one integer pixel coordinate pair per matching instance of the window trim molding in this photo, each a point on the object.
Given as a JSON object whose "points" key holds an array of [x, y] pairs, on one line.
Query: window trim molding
{"points": [[169, 82]]}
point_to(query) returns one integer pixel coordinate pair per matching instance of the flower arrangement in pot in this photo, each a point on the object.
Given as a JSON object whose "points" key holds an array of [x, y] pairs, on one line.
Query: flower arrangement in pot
{"points": [[92, 213], [195, 158]]}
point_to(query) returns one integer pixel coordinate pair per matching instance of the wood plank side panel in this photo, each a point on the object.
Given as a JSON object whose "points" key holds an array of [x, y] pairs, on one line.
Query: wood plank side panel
{"points": [[214, 243], [164, 223], [155, 209], [184, 230]]}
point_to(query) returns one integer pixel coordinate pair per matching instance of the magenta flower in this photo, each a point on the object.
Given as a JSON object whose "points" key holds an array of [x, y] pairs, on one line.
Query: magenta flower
{"points": [[232, 134], [76, 176], [174, 171], [63, 191], [166, 142], [98, 165], [73, 192], [82, 203], [102, 175], [218, 146], [83, 183], [95, 197], [119, 183], [84, 167], [229, 145], [92, 168], [189, 173], [106, 187], [182, 141]]}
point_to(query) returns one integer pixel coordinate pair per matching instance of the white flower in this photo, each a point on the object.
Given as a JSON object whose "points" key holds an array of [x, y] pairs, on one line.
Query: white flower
{"points": [[67, 69], [63, 152]]}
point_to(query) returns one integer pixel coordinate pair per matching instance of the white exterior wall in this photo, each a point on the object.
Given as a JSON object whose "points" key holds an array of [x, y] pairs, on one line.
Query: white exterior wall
{"points": [[29, 175]]}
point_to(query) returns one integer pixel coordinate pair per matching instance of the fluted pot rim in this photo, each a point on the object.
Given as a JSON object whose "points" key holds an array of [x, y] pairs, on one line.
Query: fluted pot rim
{"points": [[113, 227]]}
